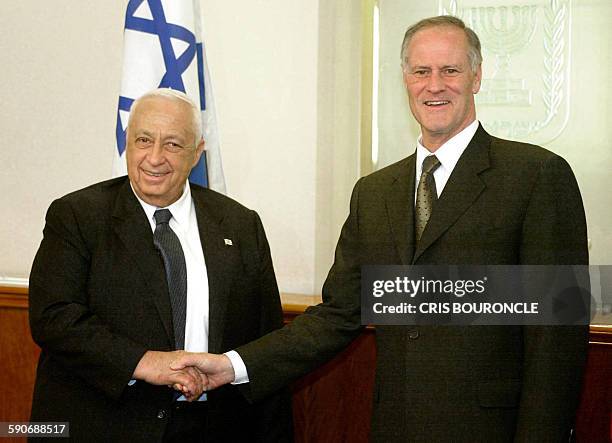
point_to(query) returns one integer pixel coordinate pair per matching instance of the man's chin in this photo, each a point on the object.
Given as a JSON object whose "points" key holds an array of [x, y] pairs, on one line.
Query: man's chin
{"points": [[436, 131], [151, 194]]}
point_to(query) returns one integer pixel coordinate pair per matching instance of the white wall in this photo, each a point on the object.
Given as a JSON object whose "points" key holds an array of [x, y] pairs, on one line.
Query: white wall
{"points": [[61, 69], [286, 75], [60, 76], [263, 62]]}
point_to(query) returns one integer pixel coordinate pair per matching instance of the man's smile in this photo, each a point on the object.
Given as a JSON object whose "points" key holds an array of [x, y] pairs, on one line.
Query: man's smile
{"points": [[436, 102], [154, 174]]}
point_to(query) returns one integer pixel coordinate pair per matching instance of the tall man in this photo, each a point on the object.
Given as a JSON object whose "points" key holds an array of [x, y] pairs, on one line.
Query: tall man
{"points": [[493, 202], [132, 268]]}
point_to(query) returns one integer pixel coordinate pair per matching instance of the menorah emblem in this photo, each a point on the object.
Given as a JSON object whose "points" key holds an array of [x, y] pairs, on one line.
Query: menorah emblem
{"points": [[525, 92], [504, 31]]}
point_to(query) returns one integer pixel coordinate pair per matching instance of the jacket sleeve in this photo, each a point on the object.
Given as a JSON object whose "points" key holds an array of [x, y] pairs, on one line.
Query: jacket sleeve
{"points": [[322, 331], [274, 423], [60, 320], [554, 233]]}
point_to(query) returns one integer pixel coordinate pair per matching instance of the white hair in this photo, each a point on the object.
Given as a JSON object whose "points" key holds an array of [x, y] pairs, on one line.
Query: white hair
{"points": [[474, 51], [173, 95]]}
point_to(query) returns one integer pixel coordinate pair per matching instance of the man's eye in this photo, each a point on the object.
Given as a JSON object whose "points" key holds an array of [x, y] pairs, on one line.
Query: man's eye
{"points": [[143, 140], [173, 147], [451, 71], [421, 73]]}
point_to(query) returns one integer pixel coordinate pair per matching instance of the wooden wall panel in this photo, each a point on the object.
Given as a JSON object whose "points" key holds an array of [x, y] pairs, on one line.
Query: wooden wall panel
{"points": [[331, 404], [594, 420], [18, 357], [334, 402]]}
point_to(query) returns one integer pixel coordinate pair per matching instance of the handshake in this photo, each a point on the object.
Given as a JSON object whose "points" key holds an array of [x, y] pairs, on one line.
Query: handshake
{"points": [[190, 373]]}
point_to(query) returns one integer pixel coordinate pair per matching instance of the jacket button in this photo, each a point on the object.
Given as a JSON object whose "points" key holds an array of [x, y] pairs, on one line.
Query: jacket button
{"points": [[413, 335], [161, 413]]}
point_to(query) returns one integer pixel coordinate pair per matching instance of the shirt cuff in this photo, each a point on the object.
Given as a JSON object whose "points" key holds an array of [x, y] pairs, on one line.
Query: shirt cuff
{"points": [[240, 371]]}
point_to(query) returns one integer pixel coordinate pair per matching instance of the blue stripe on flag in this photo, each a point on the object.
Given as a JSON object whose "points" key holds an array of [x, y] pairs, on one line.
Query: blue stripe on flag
{"points": [[131, 8], [200, 54], [124, 105], [199, 174]]}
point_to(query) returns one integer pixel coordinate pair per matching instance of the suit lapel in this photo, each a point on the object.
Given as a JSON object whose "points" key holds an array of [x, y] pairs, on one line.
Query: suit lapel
{"points": [[400, 209], [218, 257], [133, 229], [460, 192]]}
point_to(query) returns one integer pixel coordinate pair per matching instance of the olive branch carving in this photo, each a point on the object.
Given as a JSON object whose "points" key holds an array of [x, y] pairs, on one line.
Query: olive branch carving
{"points": [[554, 44]]}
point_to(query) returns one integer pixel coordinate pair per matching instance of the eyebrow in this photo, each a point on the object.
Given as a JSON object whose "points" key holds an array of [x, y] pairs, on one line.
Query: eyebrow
{"points": [[143, 132], [412, 68], [166, 137]]}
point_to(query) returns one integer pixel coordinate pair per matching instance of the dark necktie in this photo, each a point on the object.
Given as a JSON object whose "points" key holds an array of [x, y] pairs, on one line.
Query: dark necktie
{"points": [[426, 195], [176, 272]]}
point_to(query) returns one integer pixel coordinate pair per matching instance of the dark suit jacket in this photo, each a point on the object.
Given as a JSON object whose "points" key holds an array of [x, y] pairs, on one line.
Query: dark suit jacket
{"points": [[99, 300], [505, 203]]}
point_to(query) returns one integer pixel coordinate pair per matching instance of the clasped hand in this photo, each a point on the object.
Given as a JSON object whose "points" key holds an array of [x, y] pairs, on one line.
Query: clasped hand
{"points": [[189, 373]]}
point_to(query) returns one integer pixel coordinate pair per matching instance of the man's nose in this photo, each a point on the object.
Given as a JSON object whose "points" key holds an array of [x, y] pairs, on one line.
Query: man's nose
{"points": [[156, 155], [435, 83]]}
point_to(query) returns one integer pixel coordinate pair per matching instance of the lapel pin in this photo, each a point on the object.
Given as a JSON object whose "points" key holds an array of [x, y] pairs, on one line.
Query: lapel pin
{"points": [[228, 242]]}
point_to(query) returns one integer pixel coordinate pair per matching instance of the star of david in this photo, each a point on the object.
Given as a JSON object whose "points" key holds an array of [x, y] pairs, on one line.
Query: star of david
{"points": [[175, 66]]}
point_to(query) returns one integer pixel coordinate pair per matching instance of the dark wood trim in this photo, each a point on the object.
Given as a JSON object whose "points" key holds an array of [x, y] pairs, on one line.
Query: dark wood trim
{"points": [[13, 297], [601, 335], [293, 305], [13, 290]]}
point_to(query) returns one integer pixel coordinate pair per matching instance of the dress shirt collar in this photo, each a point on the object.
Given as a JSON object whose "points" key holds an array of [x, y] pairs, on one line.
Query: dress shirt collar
{"points": [[180, 209], [448, 154]]}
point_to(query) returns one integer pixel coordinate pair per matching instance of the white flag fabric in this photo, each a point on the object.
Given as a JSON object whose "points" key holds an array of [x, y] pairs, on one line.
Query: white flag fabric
{"points": [[163, 48]]}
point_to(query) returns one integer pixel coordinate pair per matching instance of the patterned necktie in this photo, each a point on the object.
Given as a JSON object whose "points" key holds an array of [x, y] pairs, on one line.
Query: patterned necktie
{"points": [[176, 272], [426, 195]]}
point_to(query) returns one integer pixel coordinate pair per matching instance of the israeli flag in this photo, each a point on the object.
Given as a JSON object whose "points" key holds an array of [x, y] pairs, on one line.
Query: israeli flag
{"points": [[163, 49]]}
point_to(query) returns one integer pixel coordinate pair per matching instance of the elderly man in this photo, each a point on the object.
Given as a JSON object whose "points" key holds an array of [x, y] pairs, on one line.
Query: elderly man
{"points": [[464, 197], [133, 268]]}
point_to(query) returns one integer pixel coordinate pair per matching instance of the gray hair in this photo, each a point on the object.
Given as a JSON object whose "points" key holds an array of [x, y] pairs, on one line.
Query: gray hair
{"points": [[173, 95], [474, 53]]}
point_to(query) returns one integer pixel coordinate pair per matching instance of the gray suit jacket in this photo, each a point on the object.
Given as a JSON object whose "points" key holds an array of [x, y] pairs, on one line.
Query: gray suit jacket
{"points": [[99, 300], [505, 203]]}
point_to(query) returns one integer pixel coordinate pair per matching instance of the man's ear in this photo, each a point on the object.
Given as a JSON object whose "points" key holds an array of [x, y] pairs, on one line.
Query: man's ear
{"points": [[405, 76], [200, 148], [477, 80]]}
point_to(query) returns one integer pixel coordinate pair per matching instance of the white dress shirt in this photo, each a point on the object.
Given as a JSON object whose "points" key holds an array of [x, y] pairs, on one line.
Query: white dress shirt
{"points": [[448, 154], [185, 225]]}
